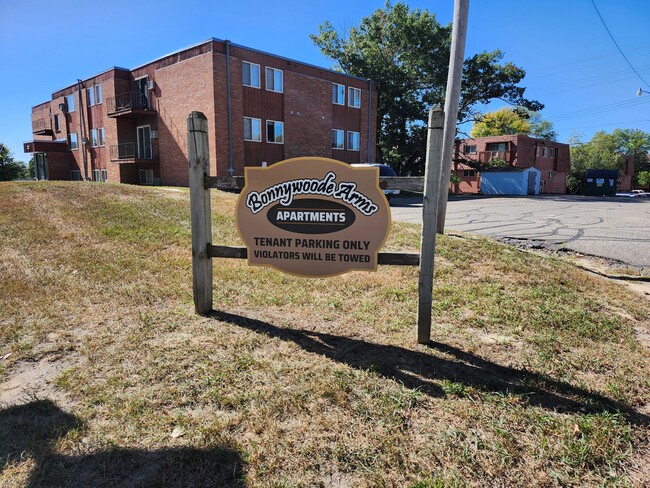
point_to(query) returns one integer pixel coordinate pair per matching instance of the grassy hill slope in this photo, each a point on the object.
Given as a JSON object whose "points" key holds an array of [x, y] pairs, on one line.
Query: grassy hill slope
{"points": [[534, 376]]}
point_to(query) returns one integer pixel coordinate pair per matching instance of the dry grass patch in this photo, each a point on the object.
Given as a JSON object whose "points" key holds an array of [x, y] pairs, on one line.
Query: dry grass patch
{"points": [[534, 376]]}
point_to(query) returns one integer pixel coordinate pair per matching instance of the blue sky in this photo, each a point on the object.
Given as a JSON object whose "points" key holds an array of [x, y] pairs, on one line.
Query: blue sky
{"points": [[572, 65]]}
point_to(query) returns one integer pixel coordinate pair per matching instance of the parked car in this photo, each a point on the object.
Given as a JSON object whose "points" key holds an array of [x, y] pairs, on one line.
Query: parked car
{"points": [[633, 194], [384, 170]]}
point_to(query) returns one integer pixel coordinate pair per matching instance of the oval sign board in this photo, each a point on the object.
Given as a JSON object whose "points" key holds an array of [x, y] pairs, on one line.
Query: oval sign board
{"points": [[313, 216]]}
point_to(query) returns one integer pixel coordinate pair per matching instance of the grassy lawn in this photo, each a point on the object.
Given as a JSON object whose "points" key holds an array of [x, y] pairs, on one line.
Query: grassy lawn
{"points": [[534, 376]]}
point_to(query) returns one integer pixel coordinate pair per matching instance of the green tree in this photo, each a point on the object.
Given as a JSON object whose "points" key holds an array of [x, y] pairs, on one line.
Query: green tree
{"points": [[501, 122], [635, 143], [540, 128], [602, 152], [31, 169], [518, 120], [10, 169], [643, 179], [406, 53]]}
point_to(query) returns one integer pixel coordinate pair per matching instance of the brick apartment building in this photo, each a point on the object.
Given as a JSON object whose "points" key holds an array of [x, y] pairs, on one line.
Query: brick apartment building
{"points": [[129, 126], [552, 158]]}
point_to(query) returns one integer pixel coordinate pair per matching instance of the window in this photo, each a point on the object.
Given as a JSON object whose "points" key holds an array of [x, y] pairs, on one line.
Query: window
{"points": [[250, 74], [146, 177], [75, 175], [252, 129], [57, 123], [469, 173], [353, 141], [551, 152], [551, 175], [274, 132], [96, 175], [90, 96], [69, 103], [104, 176], [498, 146], [274, 80], [98, 94], [337, 139], [354, 97], [469, 149], [73, 141], [97, 137], [338, 94]]}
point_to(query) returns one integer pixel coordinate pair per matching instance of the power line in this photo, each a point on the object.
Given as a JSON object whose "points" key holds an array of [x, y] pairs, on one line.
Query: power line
{"points": [[599, 109], [616, 44]]}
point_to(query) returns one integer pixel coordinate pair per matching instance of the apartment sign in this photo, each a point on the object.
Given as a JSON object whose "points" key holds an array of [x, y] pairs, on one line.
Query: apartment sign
{"points": [[313, 217]]}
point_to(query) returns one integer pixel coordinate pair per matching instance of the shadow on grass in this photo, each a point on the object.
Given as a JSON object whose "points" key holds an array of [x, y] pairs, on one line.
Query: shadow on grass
{"points": [[423, 371], [33, 429]]}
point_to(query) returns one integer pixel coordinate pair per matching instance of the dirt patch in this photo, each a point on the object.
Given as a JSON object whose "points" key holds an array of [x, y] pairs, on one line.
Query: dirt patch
{"points": [[34, 380]]}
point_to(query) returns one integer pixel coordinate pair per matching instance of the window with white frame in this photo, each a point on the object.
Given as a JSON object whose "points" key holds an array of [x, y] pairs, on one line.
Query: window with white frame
{"points": [[551, 152], [73, 140], [354, 97], [69, 103], [338, 94], [471, 149], [274, 80], [98, 94], [97, 137], [551, 175], [469, 173], [338, 136], [353, 141], [97, 175], [250, 73], [252, 129], [104, 176], [274, 132], [57, 123], [75, 175], [90, 96]]}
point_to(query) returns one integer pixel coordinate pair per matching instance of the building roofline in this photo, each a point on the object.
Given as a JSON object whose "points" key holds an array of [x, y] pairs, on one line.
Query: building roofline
{"points": [[91, 77], [214, 39]]}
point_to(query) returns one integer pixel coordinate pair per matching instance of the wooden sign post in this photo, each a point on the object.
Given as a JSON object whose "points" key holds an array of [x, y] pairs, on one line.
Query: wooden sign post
{"points": [[203, 251]]}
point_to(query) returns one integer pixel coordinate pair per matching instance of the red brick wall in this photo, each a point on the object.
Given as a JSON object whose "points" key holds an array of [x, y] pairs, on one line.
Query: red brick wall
{"points": [[308, 116], [526, 155], [195, 80], [184, 87]]}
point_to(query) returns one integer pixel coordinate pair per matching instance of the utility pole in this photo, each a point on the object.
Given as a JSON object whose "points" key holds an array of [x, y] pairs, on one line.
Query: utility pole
{"points": [[452, 98]]}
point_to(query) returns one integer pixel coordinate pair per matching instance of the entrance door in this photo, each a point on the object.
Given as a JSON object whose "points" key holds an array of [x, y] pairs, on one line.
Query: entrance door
{"points": [[40, 166], [532, 178], [144, 142], [141, 94]]}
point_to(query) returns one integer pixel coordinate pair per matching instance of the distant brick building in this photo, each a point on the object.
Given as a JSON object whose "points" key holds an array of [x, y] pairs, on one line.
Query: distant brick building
{"points": [[552, 158], [129, 126]]}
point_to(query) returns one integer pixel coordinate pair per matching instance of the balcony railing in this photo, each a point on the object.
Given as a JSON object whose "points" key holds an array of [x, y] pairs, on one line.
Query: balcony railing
{"points": [[128, 103], [42, 126], [487, 156], [134, 152]]}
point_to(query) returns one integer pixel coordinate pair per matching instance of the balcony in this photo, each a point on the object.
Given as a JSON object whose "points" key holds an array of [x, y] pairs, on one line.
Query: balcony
{"points": [[487, 156], [42, 127], [133, 152], [129, 105]]}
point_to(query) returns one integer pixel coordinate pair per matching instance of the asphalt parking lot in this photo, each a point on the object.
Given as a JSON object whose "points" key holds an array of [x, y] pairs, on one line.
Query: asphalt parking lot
{"points": [[613, 228]]}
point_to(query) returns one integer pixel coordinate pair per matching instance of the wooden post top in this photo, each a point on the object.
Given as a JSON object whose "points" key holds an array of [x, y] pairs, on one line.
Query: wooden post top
{"points": [[197, 122]]}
